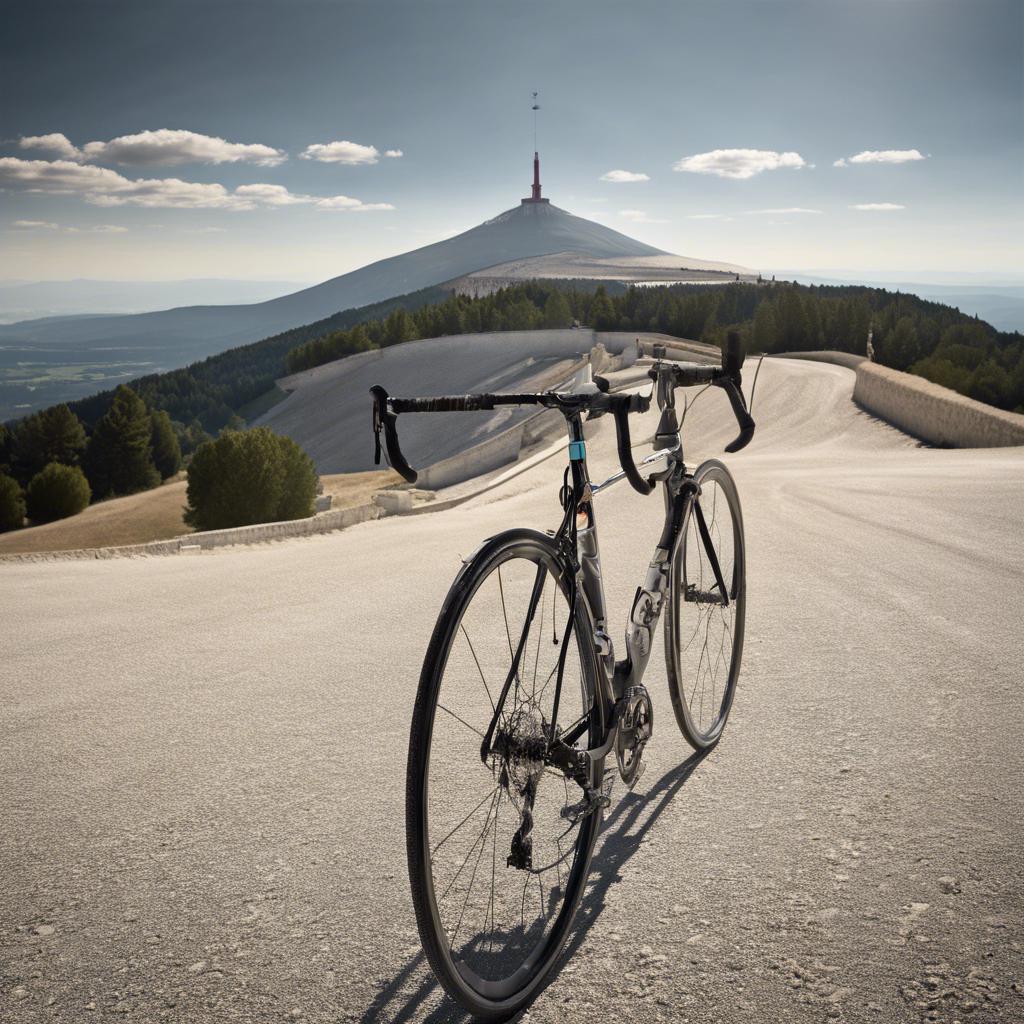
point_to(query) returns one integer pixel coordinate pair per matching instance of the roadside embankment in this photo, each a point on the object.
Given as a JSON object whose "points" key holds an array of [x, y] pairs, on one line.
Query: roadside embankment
{"points": [[933, 413]]}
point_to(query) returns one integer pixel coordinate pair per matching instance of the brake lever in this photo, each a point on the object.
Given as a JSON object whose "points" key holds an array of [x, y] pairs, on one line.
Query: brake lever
{"points": [[739, 408], [382, 418]]}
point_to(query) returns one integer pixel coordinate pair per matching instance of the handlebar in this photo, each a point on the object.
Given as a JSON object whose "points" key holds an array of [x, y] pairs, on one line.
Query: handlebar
{"points": [[727, 377], [387, 409], [596, 403]]}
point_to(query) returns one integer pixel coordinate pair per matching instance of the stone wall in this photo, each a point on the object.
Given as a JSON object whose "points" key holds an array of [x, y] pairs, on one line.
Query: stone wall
{"points": [[934, 413]]}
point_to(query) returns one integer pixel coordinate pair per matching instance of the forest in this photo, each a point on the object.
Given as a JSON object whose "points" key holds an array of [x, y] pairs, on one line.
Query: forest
{"points": [[909, 333]]}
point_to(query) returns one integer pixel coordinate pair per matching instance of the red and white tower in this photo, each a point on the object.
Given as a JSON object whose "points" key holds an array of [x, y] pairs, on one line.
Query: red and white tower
{"points": [[535, 196]]}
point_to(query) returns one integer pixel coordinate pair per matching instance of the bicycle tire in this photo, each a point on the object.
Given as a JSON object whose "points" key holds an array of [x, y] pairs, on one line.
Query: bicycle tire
{"points": [[488, 998], [704, 729]]}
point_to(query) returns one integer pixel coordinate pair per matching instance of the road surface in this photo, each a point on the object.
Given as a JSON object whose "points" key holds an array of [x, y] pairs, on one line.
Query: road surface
{"points": [[202, 758]]}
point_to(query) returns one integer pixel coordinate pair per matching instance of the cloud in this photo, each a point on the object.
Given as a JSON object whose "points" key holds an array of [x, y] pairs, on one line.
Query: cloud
{"points": [[270, 195], [343, 152], [394, 154], [882, 156], [104, 187], [174, 146], [640, 217], [348, 204], [623, 177], [782, 210], [878, 206], [45, 225], [738, 163], [708, 216], [55, 143]]}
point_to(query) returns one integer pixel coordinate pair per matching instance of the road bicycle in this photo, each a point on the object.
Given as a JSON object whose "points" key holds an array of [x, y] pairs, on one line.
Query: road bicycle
{"points": [[521, 699]]}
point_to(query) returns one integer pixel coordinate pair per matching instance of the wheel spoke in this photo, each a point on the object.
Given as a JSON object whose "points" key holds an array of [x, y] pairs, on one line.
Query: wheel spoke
{"points": [[487, 686]]}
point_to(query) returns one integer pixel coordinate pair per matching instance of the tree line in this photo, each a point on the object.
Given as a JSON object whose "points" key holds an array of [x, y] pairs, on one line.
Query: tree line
{"points": [[51, 468], [927, 338], [908, 333]]}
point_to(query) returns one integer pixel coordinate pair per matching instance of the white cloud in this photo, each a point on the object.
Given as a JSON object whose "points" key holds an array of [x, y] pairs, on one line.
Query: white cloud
{"points": [[709, 216], [783, 210], [174, 146], [270, 195], [623, 177], [640, 217], [56, 143], [738, 163], [45, 225], [348, 204], [343, 152], [104, 187], [878, 206], [881, 156], [394, 154]]}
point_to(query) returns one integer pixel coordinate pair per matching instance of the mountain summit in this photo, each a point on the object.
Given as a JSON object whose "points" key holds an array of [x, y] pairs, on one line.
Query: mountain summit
{"points": [[533, 228]]}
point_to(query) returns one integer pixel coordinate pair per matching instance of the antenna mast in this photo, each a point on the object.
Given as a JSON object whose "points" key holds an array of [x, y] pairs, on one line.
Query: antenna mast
{"points": [[535, 196]]}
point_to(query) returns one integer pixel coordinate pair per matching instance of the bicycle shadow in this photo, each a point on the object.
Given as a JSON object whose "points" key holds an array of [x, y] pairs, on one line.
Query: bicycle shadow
{"points": [[624, 831]]}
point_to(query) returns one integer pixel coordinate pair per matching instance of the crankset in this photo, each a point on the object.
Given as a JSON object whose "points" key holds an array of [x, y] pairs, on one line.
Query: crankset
{"points": [[636, 724]]}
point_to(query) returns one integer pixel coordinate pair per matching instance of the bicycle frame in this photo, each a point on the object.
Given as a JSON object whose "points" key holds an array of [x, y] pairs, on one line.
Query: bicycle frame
{"points": [[578, 541], [678, 489]]}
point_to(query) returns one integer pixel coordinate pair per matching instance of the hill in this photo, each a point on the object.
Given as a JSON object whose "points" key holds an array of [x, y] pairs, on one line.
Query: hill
{"points": [[524, 231]]}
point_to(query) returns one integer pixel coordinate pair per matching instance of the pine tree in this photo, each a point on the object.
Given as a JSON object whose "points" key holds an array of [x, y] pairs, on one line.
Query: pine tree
{"points": [[52, 435], [813, 318], [766, 331], [556, 311], [119, 459], [166, 450], [399, 327], [602, 312]]}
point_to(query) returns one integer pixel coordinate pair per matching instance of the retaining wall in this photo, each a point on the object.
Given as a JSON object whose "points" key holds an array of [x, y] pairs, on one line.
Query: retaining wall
{"points": [[934, 413], [847, 359], [325, 522]]}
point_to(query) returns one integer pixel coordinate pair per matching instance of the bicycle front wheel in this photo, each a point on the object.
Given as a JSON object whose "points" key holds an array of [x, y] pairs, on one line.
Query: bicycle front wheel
{"points": [[499, 844], [707, 599]]}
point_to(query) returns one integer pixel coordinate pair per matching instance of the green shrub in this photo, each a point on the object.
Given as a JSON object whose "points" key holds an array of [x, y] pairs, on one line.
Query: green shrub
{"points": [[249, 476], [12, 504], [56, 492]]}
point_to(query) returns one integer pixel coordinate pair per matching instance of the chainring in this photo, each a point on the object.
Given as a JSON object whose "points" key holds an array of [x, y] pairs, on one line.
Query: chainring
{"points": [[636, 724]]}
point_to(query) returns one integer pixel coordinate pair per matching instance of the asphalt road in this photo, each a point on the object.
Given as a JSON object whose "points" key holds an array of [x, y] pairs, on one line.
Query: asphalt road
{"points": [[202, 758]]}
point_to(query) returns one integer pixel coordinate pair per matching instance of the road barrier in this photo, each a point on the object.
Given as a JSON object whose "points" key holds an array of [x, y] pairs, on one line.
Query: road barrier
{"points": [[847, 359], [933, 413]]}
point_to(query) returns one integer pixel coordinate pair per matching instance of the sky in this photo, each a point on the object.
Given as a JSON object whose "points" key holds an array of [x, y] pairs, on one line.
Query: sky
{"points": [[298, 140]]}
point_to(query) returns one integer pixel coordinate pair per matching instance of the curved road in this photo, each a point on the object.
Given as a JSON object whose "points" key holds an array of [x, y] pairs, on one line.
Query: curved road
{"points": [[202, 759]]}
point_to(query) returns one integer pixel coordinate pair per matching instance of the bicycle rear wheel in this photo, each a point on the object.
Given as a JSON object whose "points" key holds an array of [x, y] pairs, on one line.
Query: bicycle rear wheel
{"points": [[706, 608], [496, 867]]}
